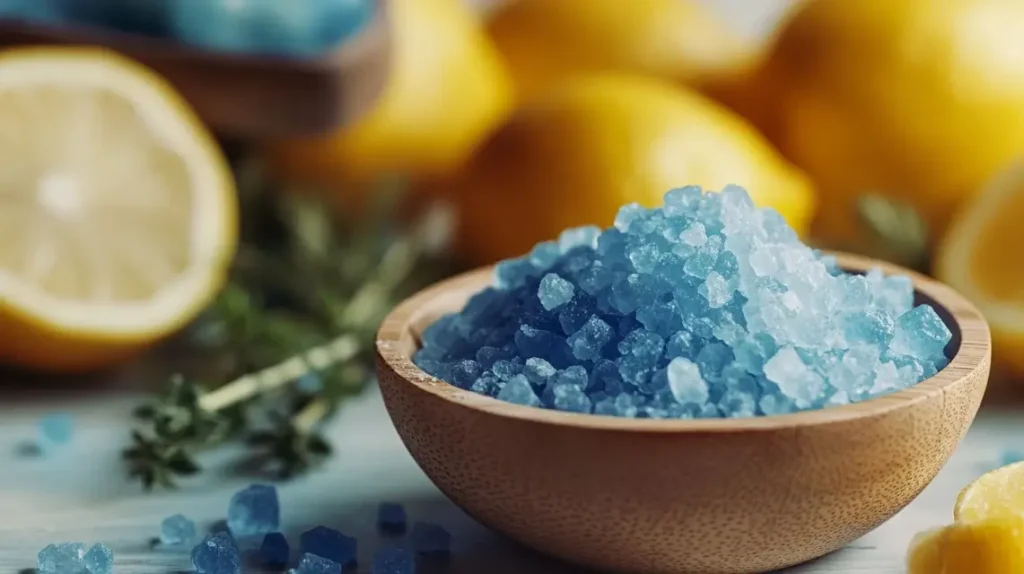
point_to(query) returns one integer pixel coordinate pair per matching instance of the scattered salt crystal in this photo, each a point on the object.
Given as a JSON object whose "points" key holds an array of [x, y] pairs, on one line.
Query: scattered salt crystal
{"points": [[393, 561], [62, 558], [99, 559], [391, 518], [313, 564], [56, 429], [217, 554], [177, 529], [330, 544], [275, 551], [430, 539], [254, 510], [704, 307]]}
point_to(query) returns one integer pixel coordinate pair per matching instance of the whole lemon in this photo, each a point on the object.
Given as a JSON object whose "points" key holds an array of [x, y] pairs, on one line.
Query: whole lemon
{"points": [[544, 40], [917, 100], [447, 90], [595, 142]]}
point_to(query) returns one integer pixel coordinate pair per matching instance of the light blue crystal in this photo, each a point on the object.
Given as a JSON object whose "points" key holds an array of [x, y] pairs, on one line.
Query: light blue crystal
{"points": [[177, 529], [254, 510], [99, 559], [588, 342], [56, 429], [537, 371], [796, 381], [920, 333], [682, 201], [217, 554], [313, 564], [686, 383], [62, 558], [716, 290], [518, 390], [554, 291], [585, 236], [571, 398], [627, 215]]}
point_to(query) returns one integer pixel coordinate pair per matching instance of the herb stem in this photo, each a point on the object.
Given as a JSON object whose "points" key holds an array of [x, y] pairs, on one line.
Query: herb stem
{"points": [[310, 415], [341, 349]]}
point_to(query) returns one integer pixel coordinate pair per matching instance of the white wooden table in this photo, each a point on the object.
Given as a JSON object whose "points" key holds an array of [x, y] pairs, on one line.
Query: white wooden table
{"points": [[81, 494]]}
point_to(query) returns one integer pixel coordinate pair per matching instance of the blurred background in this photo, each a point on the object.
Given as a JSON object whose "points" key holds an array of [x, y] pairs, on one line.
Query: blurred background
{"points": [[279, 173]]}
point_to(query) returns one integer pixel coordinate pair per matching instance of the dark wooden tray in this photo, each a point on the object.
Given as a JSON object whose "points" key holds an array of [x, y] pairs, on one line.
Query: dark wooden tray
{"points": [[243, 96]]}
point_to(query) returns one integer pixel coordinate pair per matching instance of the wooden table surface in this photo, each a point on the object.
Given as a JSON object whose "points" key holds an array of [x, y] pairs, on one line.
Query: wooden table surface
{"points": [[80, 493]]}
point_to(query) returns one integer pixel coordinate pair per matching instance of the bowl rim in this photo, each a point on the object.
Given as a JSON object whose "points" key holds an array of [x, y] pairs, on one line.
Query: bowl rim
{"points": [[973, 356]]}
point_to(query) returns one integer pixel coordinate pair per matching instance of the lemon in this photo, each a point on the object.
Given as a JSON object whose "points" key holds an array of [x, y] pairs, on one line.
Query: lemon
{"points": [[546, 40], [998, 493], [973, 258], [447, 90], [990, 546], [596, 142], [919, 100], [119, 213]]}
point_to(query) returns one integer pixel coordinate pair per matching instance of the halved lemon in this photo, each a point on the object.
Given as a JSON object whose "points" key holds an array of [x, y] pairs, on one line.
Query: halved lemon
{"points": [[980, 257], [118, 215], [995, 494]]}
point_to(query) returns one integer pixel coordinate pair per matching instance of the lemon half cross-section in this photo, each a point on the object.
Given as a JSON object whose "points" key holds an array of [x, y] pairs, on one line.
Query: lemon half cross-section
{"points": [[118, 215]]}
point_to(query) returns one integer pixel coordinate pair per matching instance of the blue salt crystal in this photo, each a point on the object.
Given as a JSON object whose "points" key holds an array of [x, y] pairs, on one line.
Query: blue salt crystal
{"points": [[177, 529], [430, 539], [329, 543], [217, 554], [760, 323], [393, 561], [588, 342], [686, 383], [920, 333], [254, 510], [56, 429], [391, 518], [314, 564], [518, 390], [274, 550], [99, 559], [61, 558]]}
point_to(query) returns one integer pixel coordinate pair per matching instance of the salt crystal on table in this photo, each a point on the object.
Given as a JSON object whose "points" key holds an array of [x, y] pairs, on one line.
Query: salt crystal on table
{"points": [[704, 307], [329, 543], [274, 550], [56, 429], [391, 518], [314, 564], [217, 554], [177, 529], [99, 559], [430, 539], [393, 561], [254, 510], [62, 558]]}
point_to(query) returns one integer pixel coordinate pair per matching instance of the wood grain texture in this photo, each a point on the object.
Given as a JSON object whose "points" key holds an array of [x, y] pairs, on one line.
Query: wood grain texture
{"points": [[697, 496], [246, 96]]}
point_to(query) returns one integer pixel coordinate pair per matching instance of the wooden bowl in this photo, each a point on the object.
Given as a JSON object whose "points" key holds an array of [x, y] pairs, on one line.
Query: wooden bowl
{"points": [[248, 96], [681, 496]]}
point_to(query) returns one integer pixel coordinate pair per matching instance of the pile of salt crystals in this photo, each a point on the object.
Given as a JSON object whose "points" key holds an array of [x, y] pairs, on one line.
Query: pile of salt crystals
{"points": [[703, 307]]}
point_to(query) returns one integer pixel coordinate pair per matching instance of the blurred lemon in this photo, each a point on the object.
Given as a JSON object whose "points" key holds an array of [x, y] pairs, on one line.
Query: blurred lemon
{"points": [[447, 90], [119, 212], [546, 40], [996, 494], [919, 100], [977, 257], [987, 536], [990, 546], [596, 142]]}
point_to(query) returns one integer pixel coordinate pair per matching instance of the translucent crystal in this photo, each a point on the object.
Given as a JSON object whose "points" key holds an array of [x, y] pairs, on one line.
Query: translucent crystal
{"points": [[99, 560], [177, 529], [430, 539], [329, 543], [554, 291], [686, 383], [920, 333], [217, 554], [56, 429], [391, 518], [393, 561], [254, 510], [275, 551], [588, 342], [314, 564], [62, 558], [518, 390], [704, 307]]}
